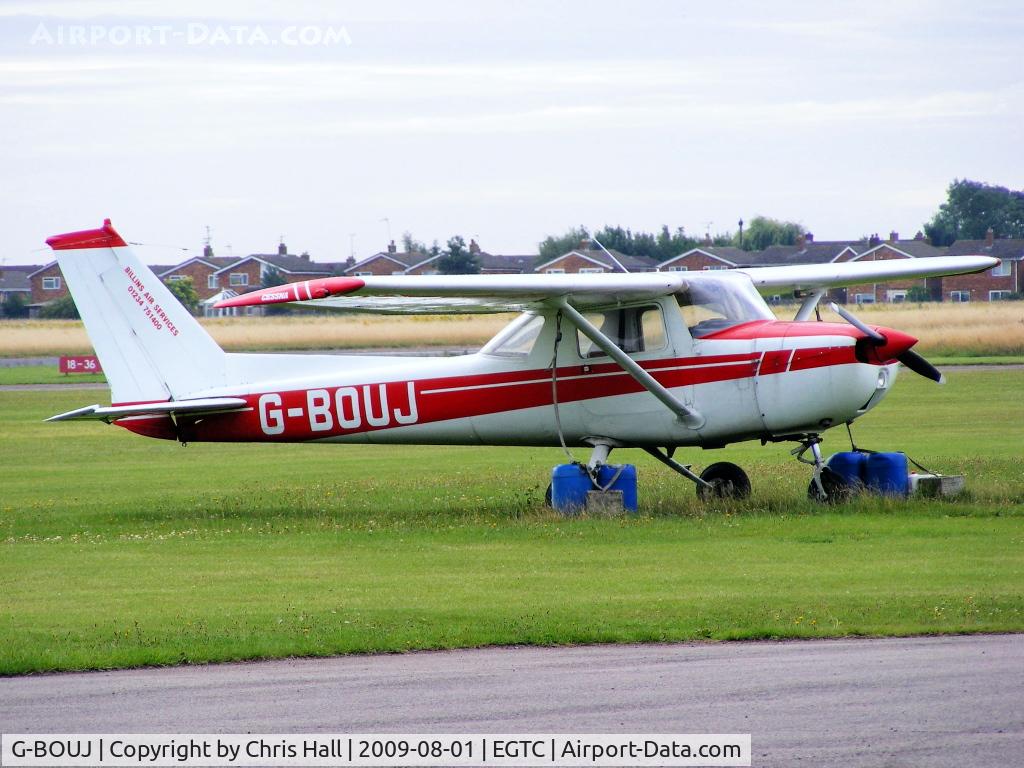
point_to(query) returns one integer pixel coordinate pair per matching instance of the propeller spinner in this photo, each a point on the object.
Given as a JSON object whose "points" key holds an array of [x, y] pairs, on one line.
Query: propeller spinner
{"points": [[891, 345]]}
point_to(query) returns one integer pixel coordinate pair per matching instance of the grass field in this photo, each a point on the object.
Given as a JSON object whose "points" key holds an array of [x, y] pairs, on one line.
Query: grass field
{"points": [[956, 330], [117, 551]]}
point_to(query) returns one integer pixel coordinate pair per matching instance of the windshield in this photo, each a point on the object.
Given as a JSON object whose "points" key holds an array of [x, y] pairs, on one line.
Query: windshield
{"points": [[710, 305], [517, 338]]}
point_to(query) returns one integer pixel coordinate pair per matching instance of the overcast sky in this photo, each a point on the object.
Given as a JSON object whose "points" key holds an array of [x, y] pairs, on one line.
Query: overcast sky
{"points": [[504, 121]]}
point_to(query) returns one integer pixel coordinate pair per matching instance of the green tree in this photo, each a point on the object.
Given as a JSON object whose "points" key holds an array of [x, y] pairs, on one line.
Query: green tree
{"points": [[972, 207], [185, 292], [457, 260], [15, 306], [410, 244], [60, 309], [764, 231], [554, 246]]}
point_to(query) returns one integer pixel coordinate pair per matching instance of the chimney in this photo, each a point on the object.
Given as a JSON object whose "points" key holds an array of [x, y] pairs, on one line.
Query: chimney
{"points": [[809, 237], [919, 235], [801, 240], [392, 248], [282, 249], [894, 236], [584, 244], [207, 251], [874, 240], [990, 237], [473, 247], [305, 256], [707, 238]]}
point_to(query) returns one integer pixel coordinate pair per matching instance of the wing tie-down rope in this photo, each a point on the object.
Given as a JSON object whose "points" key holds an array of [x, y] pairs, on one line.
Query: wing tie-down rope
{"points": [[591, 472]]}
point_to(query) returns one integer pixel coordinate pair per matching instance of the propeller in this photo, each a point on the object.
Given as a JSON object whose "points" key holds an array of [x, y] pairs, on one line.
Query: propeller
{"points": [[899, 343], [919, 365]]}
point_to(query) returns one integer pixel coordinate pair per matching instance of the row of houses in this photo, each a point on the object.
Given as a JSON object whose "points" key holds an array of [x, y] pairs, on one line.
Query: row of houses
{"points": [[218, 277]]}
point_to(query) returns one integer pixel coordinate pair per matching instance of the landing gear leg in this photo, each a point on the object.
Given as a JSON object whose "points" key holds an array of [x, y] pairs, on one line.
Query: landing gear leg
{"points": [[720, 480], [598, 458], [825, 485]]}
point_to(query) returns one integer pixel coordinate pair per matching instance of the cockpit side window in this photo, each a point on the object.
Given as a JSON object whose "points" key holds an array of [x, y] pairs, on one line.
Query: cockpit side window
{"points": [[633, 329]]}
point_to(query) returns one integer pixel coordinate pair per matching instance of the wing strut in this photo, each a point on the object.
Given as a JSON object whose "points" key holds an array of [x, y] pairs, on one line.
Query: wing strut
{"points": [[688, 416]]}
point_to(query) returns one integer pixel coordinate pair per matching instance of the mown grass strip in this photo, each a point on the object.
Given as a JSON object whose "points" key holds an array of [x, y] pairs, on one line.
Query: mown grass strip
{"points": [[117, 551]]}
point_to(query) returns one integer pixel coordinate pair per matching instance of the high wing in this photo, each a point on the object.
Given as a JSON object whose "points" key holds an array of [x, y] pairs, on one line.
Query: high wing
{"points": [[465, 294], [834, 275]]}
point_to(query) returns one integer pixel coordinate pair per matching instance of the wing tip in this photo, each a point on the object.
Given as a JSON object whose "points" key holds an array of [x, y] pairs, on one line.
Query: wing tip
{"points": [[304, 290]]}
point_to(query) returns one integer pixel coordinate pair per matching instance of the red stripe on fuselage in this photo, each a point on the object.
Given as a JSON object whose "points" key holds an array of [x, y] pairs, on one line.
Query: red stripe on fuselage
{"points": [[385, 405]]}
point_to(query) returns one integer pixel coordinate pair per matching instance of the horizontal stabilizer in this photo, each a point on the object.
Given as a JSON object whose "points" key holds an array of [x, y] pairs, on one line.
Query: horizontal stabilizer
{"points": [[111, 413]]}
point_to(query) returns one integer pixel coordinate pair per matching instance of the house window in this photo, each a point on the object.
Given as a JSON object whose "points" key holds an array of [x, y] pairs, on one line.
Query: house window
{"points": [[678, 269], [896, 297], [176, 278], [709, 269], [1001, 270], [398, 272], [239, 278], [960, 296], [363, 274], [211, 281], [51, 283], [864, 298], [590, 270], [998, 295], [555, 271]]}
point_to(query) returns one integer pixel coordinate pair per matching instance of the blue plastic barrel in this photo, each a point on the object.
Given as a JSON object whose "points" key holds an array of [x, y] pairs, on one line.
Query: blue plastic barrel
{"points": [[625, 482], [851, 466], [887, 473], [570, 484]]}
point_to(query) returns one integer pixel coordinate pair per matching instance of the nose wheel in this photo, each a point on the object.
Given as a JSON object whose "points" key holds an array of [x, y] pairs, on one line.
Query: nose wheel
{"points": [[826, 487]]}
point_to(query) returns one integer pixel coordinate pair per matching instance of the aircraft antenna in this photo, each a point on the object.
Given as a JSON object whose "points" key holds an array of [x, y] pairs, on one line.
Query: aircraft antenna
{"points": [[615, 261]]}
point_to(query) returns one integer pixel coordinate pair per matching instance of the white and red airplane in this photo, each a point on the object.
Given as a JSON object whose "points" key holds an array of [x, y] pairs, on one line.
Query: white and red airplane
{"points": [[655, 361]]}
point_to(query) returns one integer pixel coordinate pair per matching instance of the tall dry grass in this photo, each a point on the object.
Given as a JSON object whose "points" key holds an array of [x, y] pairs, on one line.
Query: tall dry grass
{"points": [[27, 338], [944, 329], [978, 328]]}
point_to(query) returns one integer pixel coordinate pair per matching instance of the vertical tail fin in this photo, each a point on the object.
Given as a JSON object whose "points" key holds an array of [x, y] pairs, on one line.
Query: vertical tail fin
{"points": [[149, 345]]}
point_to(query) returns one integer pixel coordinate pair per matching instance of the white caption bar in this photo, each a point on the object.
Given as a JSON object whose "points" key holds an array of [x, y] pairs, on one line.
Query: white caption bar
{"points": [[464, 749]]}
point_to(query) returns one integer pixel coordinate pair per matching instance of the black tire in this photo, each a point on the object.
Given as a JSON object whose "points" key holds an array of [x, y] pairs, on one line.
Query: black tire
{"points": [[837, 490], [727, 482], [547, 496]]}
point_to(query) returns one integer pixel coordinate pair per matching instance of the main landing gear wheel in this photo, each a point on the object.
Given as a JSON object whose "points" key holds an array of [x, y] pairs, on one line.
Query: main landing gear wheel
{"points": [[727, 481], [836, 489]]}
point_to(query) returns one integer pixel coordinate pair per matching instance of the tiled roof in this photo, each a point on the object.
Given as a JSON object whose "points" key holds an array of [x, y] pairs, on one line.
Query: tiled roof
{"points": [[629, 262], [15, 278], [492, 262], [821, 252], [919, 249], [1009, 250], [290, 263], [406, 258]]}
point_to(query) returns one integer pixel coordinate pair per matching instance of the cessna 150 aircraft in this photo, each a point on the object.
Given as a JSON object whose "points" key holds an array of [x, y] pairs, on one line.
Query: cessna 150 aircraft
{"points": [[656, 361]]}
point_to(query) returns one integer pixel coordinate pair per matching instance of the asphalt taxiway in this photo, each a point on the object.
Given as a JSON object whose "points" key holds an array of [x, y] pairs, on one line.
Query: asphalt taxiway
{"points": [[932, 701]]}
